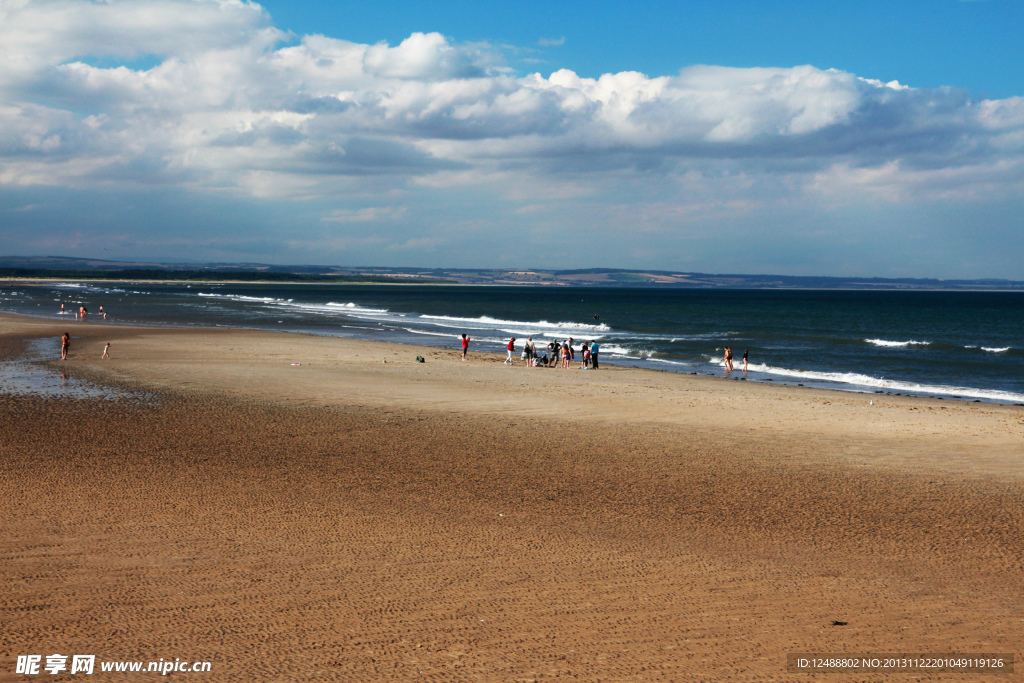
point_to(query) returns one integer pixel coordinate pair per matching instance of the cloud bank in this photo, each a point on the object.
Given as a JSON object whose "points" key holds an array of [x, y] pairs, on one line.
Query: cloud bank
{"points": [[208, 96]]}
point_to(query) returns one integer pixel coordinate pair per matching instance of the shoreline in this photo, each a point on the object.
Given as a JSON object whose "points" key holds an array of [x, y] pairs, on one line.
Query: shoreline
{"points": [[775, 377], [205, 359], [348, 519]]}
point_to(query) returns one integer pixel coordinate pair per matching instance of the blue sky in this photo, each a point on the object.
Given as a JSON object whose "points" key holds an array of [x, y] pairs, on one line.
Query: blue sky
{"points": [[860, 138], [974, 45]]}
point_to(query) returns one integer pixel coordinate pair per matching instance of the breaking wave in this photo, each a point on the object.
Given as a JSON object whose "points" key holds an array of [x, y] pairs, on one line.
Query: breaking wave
{"points": [[857, 379], [886, 342]]}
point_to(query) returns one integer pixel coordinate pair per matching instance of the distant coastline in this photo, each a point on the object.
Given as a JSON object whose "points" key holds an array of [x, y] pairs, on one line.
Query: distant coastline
{"points": [[66, 268], [955, 344], [198, 277]]}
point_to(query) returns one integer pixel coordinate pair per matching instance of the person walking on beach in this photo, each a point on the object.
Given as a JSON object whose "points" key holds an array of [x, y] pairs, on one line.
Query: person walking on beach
{"points": [[106, 351], [746, 352], [531, 352], [727, 361], [465, 345], [65, 345], [565, 355], [511, 350], [594, 348]]}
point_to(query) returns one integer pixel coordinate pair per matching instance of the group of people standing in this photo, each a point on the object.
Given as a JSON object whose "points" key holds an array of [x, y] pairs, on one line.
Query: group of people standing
{"points": [[728, 359], [82, 312], [562, 354], [555, 354]]}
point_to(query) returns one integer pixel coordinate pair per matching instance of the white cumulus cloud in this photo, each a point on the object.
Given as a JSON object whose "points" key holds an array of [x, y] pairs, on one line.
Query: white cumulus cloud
{"points": [[225, 96], [207, 95]]}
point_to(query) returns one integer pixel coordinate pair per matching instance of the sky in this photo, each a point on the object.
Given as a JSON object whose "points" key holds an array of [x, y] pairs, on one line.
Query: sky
{"points": [[799, 138]]}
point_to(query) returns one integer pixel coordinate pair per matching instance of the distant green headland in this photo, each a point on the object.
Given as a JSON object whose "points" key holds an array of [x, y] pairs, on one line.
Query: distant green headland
{"points": [[60, 267]]}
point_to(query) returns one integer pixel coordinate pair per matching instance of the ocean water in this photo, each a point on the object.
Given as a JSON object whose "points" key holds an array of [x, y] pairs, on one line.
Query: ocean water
{"points": [[966, 345]]}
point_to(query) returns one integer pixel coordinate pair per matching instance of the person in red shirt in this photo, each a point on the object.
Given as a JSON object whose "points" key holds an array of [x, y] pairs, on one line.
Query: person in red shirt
{"points": [[465, 346], [511, 351]]}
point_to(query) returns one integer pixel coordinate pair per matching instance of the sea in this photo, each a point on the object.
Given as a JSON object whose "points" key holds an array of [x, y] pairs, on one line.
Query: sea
{"points": [[951, 345]]}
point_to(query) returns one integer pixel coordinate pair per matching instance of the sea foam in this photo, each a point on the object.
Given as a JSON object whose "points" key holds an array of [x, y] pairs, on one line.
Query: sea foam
{"points": [[489, 322], [886, 342], [857, 379], [247, 299]]}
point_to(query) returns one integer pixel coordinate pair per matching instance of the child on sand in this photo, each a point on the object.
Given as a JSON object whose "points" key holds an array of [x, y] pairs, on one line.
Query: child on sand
{"points": [[65, 345], [465, 345], [106, 351]]}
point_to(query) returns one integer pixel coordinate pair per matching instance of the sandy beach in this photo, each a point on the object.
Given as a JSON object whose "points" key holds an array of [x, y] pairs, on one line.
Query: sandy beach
{"points": [[292, 507]]}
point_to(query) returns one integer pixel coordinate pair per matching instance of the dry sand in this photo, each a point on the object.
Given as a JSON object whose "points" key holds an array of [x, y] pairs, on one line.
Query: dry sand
{"points": [[350, 519]]}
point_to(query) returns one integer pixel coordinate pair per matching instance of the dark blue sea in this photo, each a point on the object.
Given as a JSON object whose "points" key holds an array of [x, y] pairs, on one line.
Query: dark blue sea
{"points": [[967, 345]]}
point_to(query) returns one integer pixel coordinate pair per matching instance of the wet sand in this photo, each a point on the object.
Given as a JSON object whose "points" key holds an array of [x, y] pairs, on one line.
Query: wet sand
{"points": [[350, 519]]}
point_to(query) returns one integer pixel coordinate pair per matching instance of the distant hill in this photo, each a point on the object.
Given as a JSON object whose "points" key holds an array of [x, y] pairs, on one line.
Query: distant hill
{"points": [[77, 268]]}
